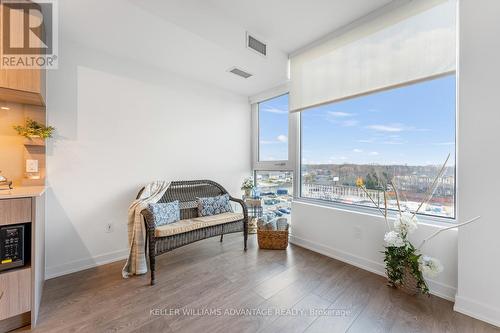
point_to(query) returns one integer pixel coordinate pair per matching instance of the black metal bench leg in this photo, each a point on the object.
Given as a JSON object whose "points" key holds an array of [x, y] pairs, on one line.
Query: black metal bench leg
{"points": [[245, 233], [152, 261], [221, 236], [152, 267]]}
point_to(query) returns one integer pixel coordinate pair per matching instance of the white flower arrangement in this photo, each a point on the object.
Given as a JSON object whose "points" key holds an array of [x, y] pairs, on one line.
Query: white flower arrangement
{"points": [[400, 254], [430, 267], [247, 184], [393, 239], [405, 223]]}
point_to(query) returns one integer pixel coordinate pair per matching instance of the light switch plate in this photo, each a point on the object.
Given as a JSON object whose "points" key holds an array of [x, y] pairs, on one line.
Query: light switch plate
{"points": [[31, 165]]}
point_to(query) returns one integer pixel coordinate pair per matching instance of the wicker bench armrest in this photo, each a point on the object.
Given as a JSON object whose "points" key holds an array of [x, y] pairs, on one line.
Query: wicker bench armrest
{"points": [[149, 219], [243, 206]]}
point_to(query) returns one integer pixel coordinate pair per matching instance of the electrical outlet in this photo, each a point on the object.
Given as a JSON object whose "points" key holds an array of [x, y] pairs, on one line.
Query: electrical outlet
{"points": [[358, 232], [109, 227], [31, 165]]}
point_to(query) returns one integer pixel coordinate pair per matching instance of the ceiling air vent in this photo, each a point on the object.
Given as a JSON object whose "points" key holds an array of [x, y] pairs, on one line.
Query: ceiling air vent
{"points": [[240, 72], [256, 45]]}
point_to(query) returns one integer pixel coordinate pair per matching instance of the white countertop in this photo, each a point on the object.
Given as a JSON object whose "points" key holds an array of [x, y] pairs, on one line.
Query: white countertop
{"points": [[22, 192]]}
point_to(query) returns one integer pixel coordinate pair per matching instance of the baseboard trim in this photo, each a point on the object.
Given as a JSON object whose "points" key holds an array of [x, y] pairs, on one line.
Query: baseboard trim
{"points": [[436, 288], [477, 310], [363, 263], [81, 264]]}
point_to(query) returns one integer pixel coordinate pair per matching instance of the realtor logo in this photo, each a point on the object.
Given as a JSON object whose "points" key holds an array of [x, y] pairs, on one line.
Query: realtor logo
{"points": [[29, 34]]}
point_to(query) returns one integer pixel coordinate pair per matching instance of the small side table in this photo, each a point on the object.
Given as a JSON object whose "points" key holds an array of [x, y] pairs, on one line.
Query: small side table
{"points": [[255, 211]]}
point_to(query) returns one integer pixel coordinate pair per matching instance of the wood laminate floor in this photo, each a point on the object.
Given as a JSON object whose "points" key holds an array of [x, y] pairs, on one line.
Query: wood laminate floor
{"points": [[203, 286]]}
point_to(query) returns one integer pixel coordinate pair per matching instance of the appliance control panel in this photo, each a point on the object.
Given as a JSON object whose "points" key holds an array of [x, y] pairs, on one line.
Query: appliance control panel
{"points": [[11, 246]]}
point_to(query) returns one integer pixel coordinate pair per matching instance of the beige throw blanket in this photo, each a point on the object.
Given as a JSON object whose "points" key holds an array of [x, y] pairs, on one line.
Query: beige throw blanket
{"points": [[136, 262]]}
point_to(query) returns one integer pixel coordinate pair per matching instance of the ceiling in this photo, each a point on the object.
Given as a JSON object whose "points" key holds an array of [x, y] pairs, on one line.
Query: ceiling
{"points": [[202, 39]]}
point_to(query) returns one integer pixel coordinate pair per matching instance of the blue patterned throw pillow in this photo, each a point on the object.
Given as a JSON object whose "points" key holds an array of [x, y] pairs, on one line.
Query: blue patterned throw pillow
{"points": [[214, 205], [165, 213]]}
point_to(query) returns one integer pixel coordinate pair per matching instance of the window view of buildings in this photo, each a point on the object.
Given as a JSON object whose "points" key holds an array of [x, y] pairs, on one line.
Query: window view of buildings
{"points": [[276, 190], [340, 183]]}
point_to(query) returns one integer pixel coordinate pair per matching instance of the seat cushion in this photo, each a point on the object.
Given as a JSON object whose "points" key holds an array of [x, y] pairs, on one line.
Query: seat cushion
{"points": [[196, 223]]}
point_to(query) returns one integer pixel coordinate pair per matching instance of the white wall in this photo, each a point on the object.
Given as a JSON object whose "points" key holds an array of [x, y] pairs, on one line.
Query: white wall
{"points": [[357, 238], [119, 126], [479, 120]]}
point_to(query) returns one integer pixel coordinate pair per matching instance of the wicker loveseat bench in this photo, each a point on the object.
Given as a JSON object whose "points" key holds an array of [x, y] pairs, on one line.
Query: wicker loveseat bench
{"points": [[191, 227]]}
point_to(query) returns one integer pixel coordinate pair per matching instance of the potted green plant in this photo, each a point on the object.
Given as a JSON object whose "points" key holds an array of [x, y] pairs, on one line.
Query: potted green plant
{"points": [[33, 129]]}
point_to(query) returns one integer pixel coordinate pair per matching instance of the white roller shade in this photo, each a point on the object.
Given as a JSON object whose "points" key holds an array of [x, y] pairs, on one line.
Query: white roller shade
{"points": [[405, 44]]}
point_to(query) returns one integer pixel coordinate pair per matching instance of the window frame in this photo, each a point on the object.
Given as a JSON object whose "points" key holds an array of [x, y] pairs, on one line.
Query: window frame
{"points": [[278, 165], [434, 219], [294, 162]]}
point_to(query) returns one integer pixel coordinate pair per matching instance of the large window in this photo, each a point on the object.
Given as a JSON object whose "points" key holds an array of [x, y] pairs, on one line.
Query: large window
{"points": [[273, 129], [272, 163], [403, 134]]}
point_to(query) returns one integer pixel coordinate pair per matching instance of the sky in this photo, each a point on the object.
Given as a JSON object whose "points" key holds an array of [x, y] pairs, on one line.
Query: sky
{"points": [[413, 125], [273, 129]]}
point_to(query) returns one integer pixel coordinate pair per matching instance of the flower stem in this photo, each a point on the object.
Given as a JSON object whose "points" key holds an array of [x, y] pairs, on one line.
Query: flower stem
{"points": [[447, 228], [432, 188], [397, 195], [378, 207], [385, 209]]}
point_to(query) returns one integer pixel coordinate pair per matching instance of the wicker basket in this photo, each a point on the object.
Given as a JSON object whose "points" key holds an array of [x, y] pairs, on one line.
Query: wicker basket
{"points": [[272, 239], [409, 284]]}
